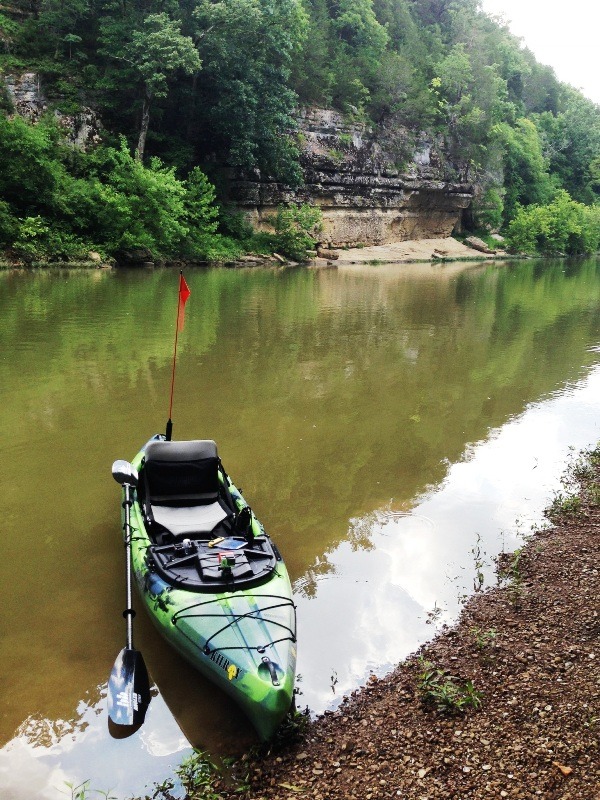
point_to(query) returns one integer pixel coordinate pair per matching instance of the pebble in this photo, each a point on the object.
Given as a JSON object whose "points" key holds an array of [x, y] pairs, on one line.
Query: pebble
{"points": [[519, 751]]}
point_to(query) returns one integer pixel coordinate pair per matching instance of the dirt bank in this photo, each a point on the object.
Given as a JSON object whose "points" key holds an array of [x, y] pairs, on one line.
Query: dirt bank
{"points": [[530, 646], [413, 250]]}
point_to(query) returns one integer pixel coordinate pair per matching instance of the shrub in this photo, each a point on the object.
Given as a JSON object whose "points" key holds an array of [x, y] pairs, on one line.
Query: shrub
{"points": [[489, 210], [36, 240], [295, 230], [443, 691], [562, 226]]}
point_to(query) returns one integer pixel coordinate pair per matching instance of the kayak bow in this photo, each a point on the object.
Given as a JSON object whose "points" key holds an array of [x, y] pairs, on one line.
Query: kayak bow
{"points": [[211, 579]]}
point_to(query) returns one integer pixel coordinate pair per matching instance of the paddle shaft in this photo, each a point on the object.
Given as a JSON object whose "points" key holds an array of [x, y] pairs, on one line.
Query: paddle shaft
{"points": [[129, 613], [128, 689]]}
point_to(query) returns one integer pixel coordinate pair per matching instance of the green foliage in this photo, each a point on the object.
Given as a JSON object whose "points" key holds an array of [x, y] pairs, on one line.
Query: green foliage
{"points": [[131, 205], [594, 177], [218, 82], [31, 170], [484, 639], [563, 506], [295, 230], [201, 212], [526, 176], [563, 226], [83, 791], [198, 774], [58, 204], [158, 50], [488, 212], [445, 692], [580, 483], [571, 141], [8, 31], [511, 573], [36, 241], [9, 225], [245, 101]]}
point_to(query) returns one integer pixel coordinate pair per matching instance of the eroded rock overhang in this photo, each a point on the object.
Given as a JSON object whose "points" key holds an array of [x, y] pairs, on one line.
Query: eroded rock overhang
{"points": [[374, 185]]}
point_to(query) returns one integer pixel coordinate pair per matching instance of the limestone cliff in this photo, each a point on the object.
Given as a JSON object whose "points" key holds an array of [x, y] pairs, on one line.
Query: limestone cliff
{"points": [[29, 101], [373, 185]]}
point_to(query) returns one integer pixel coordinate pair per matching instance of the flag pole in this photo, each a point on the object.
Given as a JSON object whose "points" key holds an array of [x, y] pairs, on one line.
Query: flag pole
{"points": [[184, 293]]}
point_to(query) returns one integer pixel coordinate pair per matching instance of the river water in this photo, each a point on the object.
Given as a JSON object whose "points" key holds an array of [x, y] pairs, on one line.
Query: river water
{"points": [[393, 427]]}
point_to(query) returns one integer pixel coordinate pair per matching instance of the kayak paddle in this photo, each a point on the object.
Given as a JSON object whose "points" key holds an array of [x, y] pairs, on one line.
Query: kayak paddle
{"points": [[128, 685]]}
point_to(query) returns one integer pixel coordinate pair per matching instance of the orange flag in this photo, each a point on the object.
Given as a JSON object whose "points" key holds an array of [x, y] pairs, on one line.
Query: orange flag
{"points": [[184, 293]]}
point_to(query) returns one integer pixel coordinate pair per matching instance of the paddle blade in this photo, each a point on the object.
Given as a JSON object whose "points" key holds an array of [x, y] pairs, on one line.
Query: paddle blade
{"points": [[128, 689]]}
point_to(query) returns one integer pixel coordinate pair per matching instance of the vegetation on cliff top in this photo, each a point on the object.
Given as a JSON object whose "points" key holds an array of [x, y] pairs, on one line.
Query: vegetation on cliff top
{"points": [[215, 84]]}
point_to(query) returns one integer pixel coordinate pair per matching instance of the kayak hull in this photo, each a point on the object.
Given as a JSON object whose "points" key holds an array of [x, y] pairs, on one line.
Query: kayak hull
{"points": [[241, 639]]}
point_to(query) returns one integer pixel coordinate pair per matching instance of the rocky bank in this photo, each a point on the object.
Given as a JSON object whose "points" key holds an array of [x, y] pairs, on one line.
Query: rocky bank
{"points": [[527, 651], [373, 184]]}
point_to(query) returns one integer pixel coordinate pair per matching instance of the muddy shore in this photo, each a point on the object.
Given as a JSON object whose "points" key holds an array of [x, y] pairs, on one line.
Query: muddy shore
{"points": [[413, 250], [504, 704]]}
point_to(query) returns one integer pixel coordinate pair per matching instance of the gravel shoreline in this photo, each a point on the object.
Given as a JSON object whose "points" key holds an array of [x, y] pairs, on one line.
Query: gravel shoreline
{"points": [[530, 646], [413, 250]]}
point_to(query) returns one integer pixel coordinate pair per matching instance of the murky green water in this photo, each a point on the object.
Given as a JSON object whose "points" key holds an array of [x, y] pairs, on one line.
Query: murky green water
{"points": [[386, 423]]}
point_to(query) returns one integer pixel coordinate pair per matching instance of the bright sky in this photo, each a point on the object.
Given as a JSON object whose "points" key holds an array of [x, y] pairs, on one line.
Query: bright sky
{"points": [[562, 34]]}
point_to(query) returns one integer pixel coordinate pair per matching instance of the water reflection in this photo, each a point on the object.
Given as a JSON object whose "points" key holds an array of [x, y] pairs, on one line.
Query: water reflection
{"points": [[367, 608], [377, 419], [47, 757]]}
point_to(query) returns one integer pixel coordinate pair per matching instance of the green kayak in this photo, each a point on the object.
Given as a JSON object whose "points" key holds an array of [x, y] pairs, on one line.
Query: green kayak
{"points": [[212, 580]]}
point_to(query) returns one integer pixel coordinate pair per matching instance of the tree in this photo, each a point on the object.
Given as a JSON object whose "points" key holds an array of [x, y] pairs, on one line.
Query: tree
{"points": [[59, 20], [245, 96], [571, 141], [562, 226], [312, 75], [526, 177], [201, 213], [31, 174], [158, 51], [358, 46]]}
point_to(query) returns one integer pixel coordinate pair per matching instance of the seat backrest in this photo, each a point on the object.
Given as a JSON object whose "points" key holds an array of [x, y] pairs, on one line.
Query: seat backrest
{"points": [[181, 473]]}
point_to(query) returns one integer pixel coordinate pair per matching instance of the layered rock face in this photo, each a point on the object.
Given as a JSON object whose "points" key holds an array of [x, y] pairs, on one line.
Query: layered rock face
{"points": [[374, 186], [82, 130]]}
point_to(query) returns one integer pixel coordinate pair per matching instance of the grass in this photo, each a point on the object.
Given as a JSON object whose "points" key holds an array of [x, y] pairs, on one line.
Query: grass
{"points": [[336, 156], [445, 692], [203, 779], [515, 577], [479, 563], [563, 505], [484, 639], [83, 791], [579, 483], [198, 775]]}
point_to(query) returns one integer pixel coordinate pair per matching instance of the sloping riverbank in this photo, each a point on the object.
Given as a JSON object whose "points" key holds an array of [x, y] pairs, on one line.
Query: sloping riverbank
{"points": [[530, 647], [448, 249]]}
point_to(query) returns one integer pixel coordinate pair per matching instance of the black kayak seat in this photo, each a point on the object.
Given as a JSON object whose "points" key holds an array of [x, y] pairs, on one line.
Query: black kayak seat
{"points": [[181, 484]]}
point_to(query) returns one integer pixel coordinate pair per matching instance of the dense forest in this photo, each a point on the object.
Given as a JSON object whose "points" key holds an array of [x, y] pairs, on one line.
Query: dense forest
{"points": [[188, 88]]}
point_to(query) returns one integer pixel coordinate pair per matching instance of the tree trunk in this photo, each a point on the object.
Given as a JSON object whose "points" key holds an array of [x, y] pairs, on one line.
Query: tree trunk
{"points": [[191, 120], [139, 153]]}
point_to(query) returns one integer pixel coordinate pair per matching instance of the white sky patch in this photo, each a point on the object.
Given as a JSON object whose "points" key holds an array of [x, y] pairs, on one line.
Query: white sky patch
{"points": [[562, 35]]}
